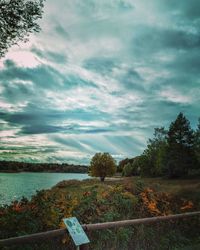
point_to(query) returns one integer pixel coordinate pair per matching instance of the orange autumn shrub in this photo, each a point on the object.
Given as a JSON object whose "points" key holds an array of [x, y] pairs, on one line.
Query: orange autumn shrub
{"points": [[187, 205], [154, 203], [160, 203]]}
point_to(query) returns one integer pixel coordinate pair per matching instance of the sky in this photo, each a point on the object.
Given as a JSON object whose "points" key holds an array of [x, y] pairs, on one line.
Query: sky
{"points": [[99, 77]]}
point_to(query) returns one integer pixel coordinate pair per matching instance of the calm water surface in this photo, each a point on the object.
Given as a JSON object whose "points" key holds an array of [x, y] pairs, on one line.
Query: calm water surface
{"points": [[15, 185]]}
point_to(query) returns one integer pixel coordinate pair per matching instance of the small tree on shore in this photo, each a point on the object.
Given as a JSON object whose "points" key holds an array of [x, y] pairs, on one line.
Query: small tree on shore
{"points": [[102, 165]]}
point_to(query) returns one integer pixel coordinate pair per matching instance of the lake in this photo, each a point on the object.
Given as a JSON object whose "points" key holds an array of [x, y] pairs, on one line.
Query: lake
{"points": [[15, 185]]}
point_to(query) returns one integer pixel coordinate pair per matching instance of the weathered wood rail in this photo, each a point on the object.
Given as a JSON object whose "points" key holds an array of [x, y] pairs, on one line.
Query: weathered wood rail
{"points": [[38, 237]]}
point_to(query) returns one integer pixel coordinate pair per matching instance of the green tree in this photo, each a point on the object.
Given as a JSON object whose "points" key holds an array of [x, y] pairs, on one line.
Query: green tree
{"points": [[137, 165], [180, 153], [197, 144], [122, 164], [102, 165], [128, 170], [17, 20], [152, 160]]}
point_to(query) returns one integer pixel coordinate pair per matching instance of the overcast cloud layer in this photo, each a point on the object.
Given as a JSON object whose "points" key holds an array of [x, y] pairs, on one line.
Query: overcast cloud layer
{"points": [[99, 77]]}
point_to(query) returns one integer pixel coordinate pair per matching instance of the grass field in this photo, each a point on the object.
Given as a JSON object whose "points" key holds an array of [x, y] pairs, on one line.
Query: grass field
{"points": [[185, 188]]}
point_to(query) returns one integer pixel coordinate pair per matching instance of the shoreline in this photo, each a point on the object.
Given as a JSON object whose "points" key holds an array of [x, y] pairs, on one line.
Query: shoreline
{"points": [[9, 194], [54, 172]]}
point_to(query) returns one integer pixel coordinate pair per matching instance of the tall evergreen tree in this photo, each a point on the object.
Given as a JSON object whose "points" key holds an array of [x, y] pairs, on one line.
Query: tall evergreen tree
{"points": [[154, 156], [197, 144], [180, 153]]}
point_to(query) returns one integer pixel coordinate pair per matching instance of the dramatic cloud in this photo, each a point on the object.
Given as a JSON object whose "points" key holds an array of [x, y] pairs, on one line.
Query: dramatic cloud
{"points": [[99, 77]]}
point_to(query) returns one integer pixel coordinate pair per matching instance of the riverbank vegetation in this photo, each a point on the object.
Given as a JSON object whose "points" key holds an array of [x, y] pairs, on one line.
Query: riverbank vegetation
{"points": [[92, 201]]}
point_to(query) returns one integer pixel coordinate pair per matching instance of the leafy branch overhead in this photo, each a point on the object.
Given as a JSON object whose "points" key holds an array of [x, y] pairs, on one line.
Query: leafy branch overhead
{"points": [[18, 18]]}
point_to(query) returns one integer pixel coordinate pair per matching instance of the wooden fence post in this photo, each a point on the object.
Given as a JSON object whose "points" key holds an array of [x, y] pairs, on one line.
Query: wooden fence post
{"points": [[84, 247]]}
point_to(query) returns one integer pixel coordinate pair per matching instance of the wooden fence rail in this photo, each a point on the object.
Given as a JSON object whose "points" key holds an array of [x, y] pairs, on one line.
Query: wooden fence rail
{"points": [[90, 227]]}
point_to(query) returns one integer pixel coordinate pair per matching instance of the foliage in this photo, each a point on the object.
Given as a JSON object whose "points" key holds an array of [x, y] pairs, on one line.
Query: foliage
{"points": [[170, 153], [137, 165], [180, 154], [128, 170], [139, 186], [197, 144], [93, 202], [17, 20], [129, 167], [102, 165], [153, 159], [13, 166], [110, 205], [122, 163]]}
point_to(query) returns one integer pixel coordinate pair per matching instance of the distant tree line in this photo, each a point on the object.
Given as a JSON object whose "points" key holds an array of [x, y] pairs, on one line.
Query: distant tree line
{"points": [[13, 166], [172, 153]]}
